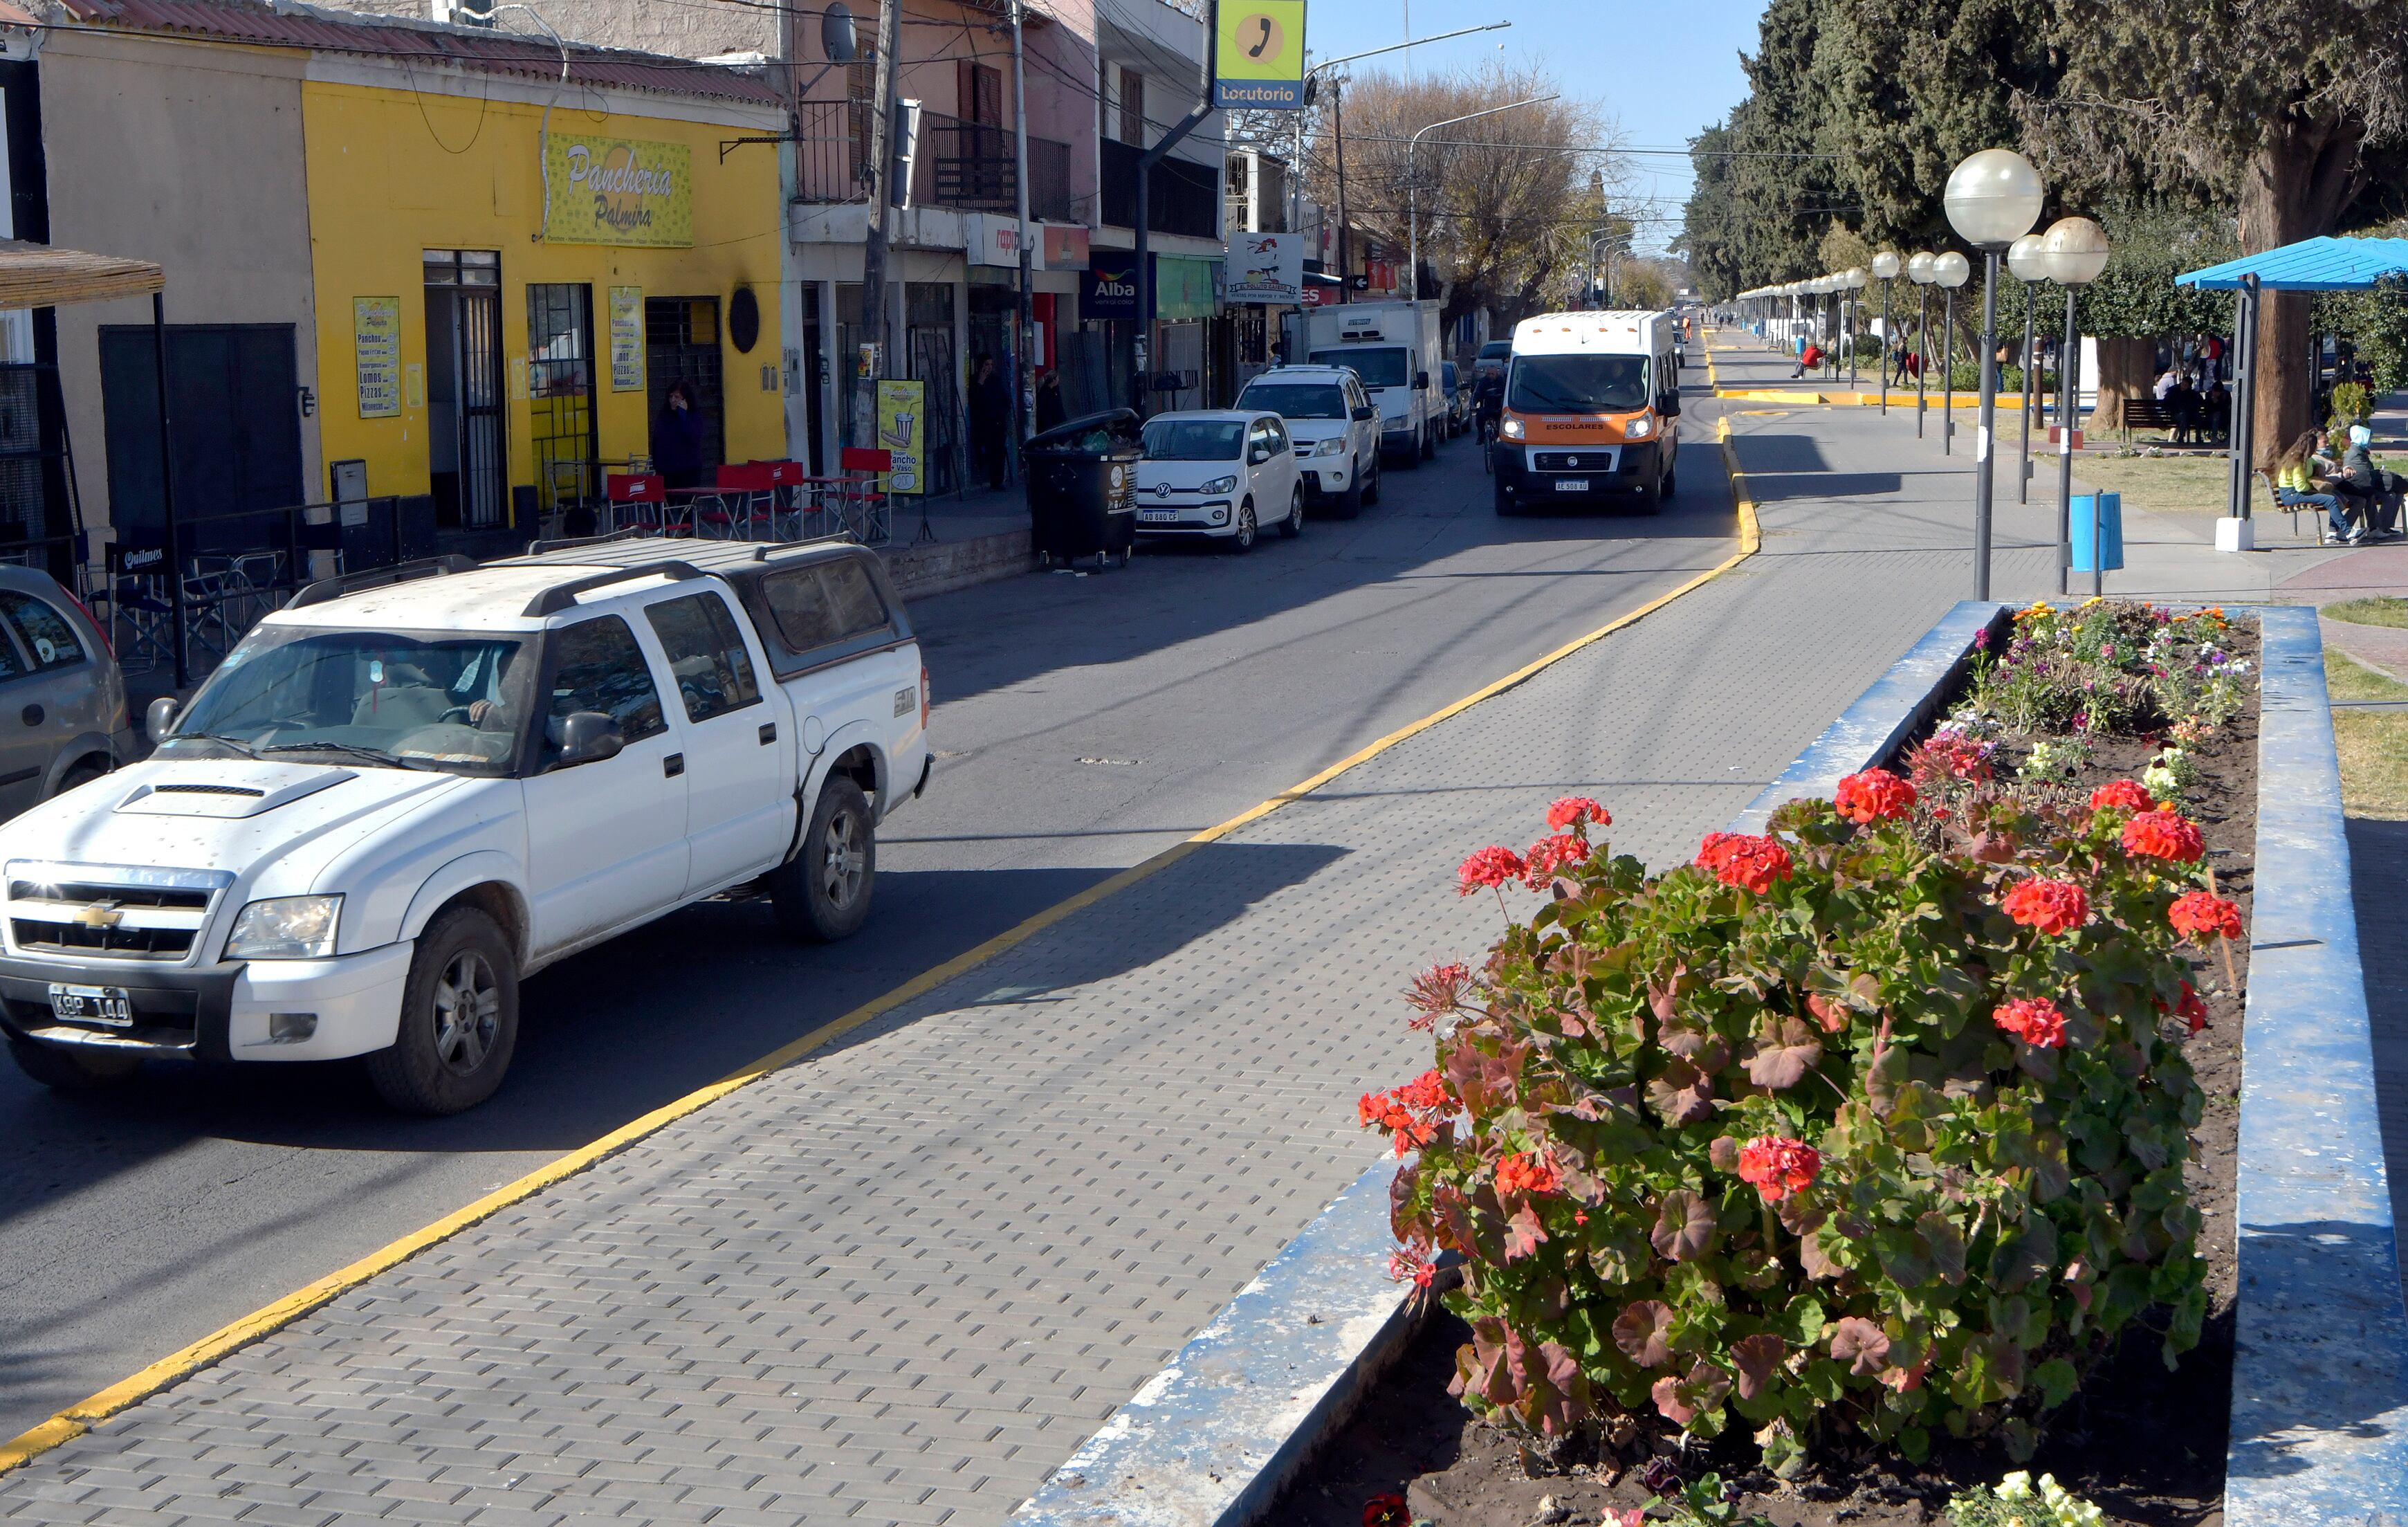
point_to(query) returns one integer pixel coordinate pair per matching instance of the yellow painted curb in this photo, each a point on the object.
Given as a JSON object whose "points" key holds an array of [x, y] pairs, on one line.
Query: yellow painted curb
{"points": [[77, 1418]]}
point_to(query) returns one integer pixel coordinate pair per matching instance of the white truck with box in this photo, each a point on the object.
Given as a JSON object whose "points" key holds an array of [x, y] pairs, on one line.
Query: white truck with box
{"points": [[1395, 348], [406, 791]]}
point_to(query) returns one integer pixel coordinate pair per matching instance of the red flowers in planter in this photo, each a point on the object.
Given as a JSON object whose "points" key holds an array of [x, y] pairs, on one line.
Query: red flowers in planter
{"points": [[1873, 794], [1744, 859], [1575, 812], [2196, 914], [2187, 1007], [1526, 1173], [1549, 855], [1410, 1112], [2122, 795], [1488, 869], [2052, 906], [1777, 1166], [2164, 835], [2035, 1020]]}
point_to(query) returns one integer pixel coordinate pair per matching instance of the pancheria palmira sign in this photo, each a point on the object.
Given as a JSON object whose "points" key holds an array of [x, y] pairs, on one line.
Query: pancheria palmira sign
{"points": [[618, 191]]}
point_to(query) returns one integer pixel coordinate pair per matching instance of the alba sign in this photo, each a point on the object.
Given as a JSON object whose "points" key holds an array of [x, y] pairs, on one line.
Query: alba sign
{"points": [[618, 191]]}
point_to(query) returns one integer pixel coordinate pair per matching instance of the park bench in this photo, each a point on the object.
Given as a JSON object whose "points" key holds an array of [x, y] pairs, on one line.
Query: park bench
{"points": [[2294, 503]]}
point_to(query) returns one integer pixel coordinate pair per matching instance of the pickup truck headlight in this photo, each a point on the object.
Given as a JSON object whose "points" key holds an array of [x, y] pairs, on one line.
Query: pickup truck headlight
{"points": [[1636, 429], [1330, 446], [1220, 484], [285, 928]]}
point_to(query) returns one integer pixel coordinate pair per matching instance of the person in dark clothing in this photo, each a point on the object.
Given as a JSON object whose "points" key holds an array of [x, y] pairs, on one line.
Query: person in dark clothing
{"points": [[1051, 409], [990, 423], [677, 439]]}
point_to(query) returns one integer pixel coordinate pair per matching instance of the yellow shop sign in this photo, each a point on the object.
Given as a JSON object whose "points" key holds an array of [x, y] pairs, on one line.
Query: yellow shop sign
{"points": [[618, 191]]}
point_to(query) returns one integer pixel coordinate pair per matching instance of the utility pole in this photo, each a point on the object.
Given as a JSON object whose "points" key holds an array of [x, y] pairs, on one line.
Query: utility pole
{"points": [[1024, 380], [1345, 243], [873, 247]]}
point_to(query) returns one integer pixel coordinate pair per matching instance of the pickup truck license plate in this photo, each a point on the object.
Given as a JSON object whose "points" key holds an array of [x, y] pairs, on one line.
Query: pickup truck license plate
{"points": [[111, 1005], [1160, 516], [1572, 484]]}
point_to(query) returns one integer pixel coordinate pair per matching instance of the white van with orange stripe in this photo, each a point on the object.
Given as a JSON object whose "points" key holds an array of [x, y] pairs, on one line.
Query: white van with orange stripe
{"points": [[1590, 404]]}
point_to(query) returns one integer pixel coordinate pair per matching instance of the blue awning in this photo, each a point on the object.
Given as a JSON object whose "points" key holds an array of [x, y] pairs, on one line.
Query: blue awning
{"points": [[2311, 264]]}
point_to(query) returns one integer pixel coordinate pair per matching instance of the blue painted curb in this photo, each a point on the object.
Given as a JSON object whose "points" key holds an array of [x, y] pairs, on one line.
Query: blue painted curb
{"points": [[1210, 1440], [1884, 715], [2320, 1362]]}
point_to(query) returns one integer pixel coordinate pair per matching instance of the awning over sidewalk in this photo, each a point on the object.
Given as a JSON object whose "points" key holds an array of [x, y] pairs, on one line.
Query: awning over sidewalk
{"points": [[2311, 264], [38, 275]]}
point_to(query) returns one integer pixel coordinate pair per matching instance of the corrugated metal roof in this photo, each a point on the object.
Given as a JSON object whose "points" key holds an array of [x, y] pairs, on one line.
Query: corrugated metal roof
{"points": [[467, 48], [2311, 264]]}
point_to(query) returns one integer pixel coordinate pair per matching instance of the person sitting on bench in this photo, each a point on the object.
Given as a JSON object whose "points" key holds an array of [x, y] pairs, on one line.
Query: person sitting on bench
{"points": [[2379, 488], [2294, 472]]}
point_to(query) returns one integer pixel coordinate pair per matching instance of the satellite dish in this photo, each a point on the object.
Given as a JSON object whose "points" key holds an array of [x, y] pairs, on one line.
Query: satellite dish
{"points": [[837, 35]]}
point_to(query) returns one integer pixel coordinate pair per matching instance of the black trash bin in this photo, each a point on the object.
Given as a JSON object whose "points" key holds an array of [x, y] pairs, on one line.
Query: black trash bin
{"points": [[1082, 480]]}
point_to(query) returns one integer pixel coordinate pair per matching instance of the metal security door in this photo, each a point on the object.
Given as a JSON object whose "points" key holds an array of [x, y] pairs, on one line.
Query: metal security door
{"points": [[560, 391], [463, 308]]}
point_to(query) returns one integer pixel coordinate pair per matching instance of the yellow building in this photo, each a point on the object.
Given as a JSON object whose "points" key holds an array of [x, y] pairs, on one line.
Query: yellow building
{"points": [[514, 248]]}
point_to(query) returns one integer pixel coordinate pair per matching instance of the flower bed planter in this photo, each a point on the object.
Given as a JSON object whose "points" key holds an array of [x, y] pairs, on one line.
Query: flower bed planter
{"points": [[2317, 1402]]}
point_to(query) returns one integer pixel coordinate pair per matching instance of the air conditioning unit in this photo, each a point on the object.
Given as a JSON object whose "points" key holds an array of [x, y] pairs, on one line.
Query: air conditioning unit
{"points": [[463, 12]]}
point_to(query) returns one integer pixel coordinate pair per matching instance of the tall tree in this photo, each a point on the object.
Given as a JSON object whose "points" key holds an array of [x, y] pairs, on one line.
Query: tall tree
{"points": [[2271, 105]]}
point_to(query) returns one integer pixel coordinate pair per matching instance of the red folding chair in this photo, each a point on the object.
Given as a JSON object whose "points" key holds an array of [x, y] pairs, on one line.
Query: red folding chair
{"points": [[635, 499], [739, 505]]}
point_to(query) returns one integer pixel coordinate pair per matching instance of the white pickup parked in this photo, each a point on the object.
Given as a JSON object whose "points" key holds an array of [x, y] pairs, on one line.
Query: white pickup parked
{"points": [[406, 791]]}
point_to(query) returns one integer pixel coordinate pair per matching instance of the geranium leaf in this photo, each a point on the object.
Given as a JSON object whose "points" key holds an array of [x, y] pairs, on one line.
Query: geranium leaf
{"points": [[1947, 1248], [1758, 1358], [1684, 1226], [1524, 1234], [1884, 1078], [1782, 1058], [1860, 1344], [1683, 1094], [2056, 1381], [1643, 1332], [1670, 1402]]}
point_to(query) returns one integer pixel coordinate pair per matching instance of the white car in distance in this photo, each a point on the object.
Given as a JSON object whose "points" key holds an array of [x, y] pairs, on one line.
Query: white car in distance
{"points": [[1336, 427], [1218, 474]]}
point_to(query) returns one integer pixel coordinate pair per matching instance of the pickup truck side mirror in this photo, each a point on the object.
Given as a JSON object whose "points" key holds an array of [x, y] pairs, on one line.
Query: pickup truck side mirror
{"points": [[1420, 382], [161, 718], [1363, 412], [589, 737]]}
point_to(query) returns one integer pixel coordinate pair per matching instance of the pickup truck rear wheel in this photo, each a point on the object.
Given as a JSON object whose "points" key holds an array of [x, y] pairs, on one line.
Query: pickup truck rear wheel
{"points": [[823, 893], [459, 1019], [78, 1069]]}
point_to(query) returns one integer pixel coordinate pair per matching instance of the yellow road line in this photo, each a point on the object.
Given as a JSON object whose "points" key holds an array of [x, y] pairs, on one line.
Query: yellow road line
{"points": [[77, 1418]]}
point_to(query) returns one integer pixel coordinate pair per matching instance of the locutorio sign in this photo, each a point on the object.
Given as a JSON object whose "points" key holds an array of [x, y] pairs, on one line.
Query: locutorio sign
{"points": [[617, 191]]}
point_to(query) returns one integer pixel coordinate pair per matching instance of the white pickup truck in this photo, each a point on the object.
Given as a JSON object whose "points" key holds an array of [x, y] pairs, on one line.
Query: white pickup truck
{"points": [[407, 790]]}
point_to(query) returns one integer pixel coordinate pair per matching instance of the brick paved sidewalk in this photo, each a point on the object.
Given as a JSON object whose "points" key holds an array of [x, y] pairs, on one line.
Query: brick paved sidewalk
{"points": [[902, 1281]]}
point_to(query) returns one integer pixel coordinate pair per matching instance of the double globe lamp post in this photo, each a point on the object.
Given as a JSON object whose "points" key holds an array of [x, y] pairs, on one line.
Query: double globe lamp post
{"points": [[1992, 197]]}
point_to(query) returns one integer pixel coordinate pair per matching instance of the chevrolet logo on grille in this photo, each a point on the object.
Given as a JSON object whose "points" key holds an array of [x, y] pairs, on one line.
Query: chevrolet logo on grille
{"points": [[100, 914]]}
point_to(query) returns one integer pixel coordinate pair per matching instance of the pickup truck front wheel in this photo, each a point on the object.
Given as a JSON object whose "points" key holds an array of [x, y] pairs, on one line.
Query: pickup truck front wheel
{"points": [[823, 893], [459, 1019]]}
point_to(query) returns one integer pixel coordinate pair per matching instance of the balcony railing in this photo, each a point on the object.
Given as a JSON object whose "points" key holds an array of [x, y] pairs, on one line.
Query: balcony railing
{"points": [[962, 165], [1183, 199]]}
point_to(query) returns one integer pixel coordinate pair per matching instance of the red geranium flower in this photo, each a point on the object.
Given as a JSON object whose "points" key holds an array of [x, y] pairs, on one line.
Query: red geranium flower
{"points": [[1429, 1093], [1490, 867], [1778, 1166], [1549, 855], [1573, 812], [2035, 1020], [1436, 991], [2053, 906], [1401, 1266], [2164, 835], [2122, 795], [1740, 858], [1873, 794], [2187, 1007], [2196, 914], [1527, 1172], [1950, 754]]}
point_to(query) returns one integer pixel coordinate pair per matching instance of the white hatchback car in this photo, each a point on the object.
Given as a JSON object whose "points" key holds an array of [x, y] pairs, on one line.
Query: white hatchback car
{"points": [[1218, 473]]}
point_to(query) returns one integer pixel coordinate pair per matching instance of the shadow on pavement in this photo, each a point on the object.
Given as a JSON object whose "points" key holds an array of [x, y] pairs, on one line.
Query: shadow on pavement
{"points": [[2378, 869], [614, 1033]]}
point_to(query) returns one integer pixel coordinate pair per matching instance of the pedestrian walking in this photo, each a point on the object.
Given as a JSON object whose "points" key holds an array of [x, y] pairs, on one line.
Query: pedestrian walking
{"points": [[990, 424]]}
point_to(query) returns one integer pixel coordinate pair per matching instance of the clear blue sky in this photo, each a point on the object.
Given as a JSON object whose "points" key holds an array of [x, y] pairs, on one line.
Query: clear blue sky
{"points": [[1661, 70]]}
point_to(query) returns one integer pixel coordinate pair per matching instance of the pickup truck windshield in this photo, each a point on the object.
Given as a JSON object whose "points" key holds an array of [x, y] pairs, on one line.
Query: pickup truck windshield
{"points": [[1378, 365], [1577, 384], [1194, 440], [1296, 400], [411, 701]]}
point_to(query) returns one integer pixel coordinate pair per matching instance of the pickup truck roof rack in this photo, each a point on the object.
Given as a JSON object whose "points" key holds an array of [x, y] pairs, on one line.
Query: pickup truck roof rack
{"points": [[551, 601], [355, 583], [564, 543]]}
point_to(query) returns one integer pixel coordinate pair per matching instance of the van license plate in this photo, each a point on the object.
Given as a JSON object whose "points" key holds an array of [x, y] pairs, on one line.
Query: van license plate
{"points": [[111, 1005], [1572, 484]]}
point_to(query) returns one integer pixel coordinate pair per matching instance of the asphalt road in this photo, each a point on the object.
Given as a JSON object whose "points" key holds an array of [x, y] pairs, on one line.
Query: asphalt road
{"points": [[1083, 723]]}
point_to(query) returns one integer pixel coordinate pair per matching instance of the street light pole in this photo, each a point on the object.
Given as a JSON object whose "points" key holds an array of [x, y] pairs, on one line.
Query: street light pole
{"points": [[1413, 188], [1023, 365], [1992, 199], [2073, 251], [1886, 268]]}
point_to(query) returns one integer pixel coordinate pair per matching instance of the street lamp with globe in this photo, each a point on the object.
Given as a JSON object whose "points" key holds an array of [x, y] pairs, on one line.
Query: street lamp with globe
{"points": [[1948, 272], [1886, 265], [1992, 197], [2024, 260], [2072, 253], [1918, 270]]}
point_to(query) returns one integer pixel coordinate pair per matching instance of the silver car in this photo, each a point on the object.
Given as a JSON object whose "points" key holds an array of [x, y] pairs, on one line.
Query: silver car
{"points": [[62, 718]]}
